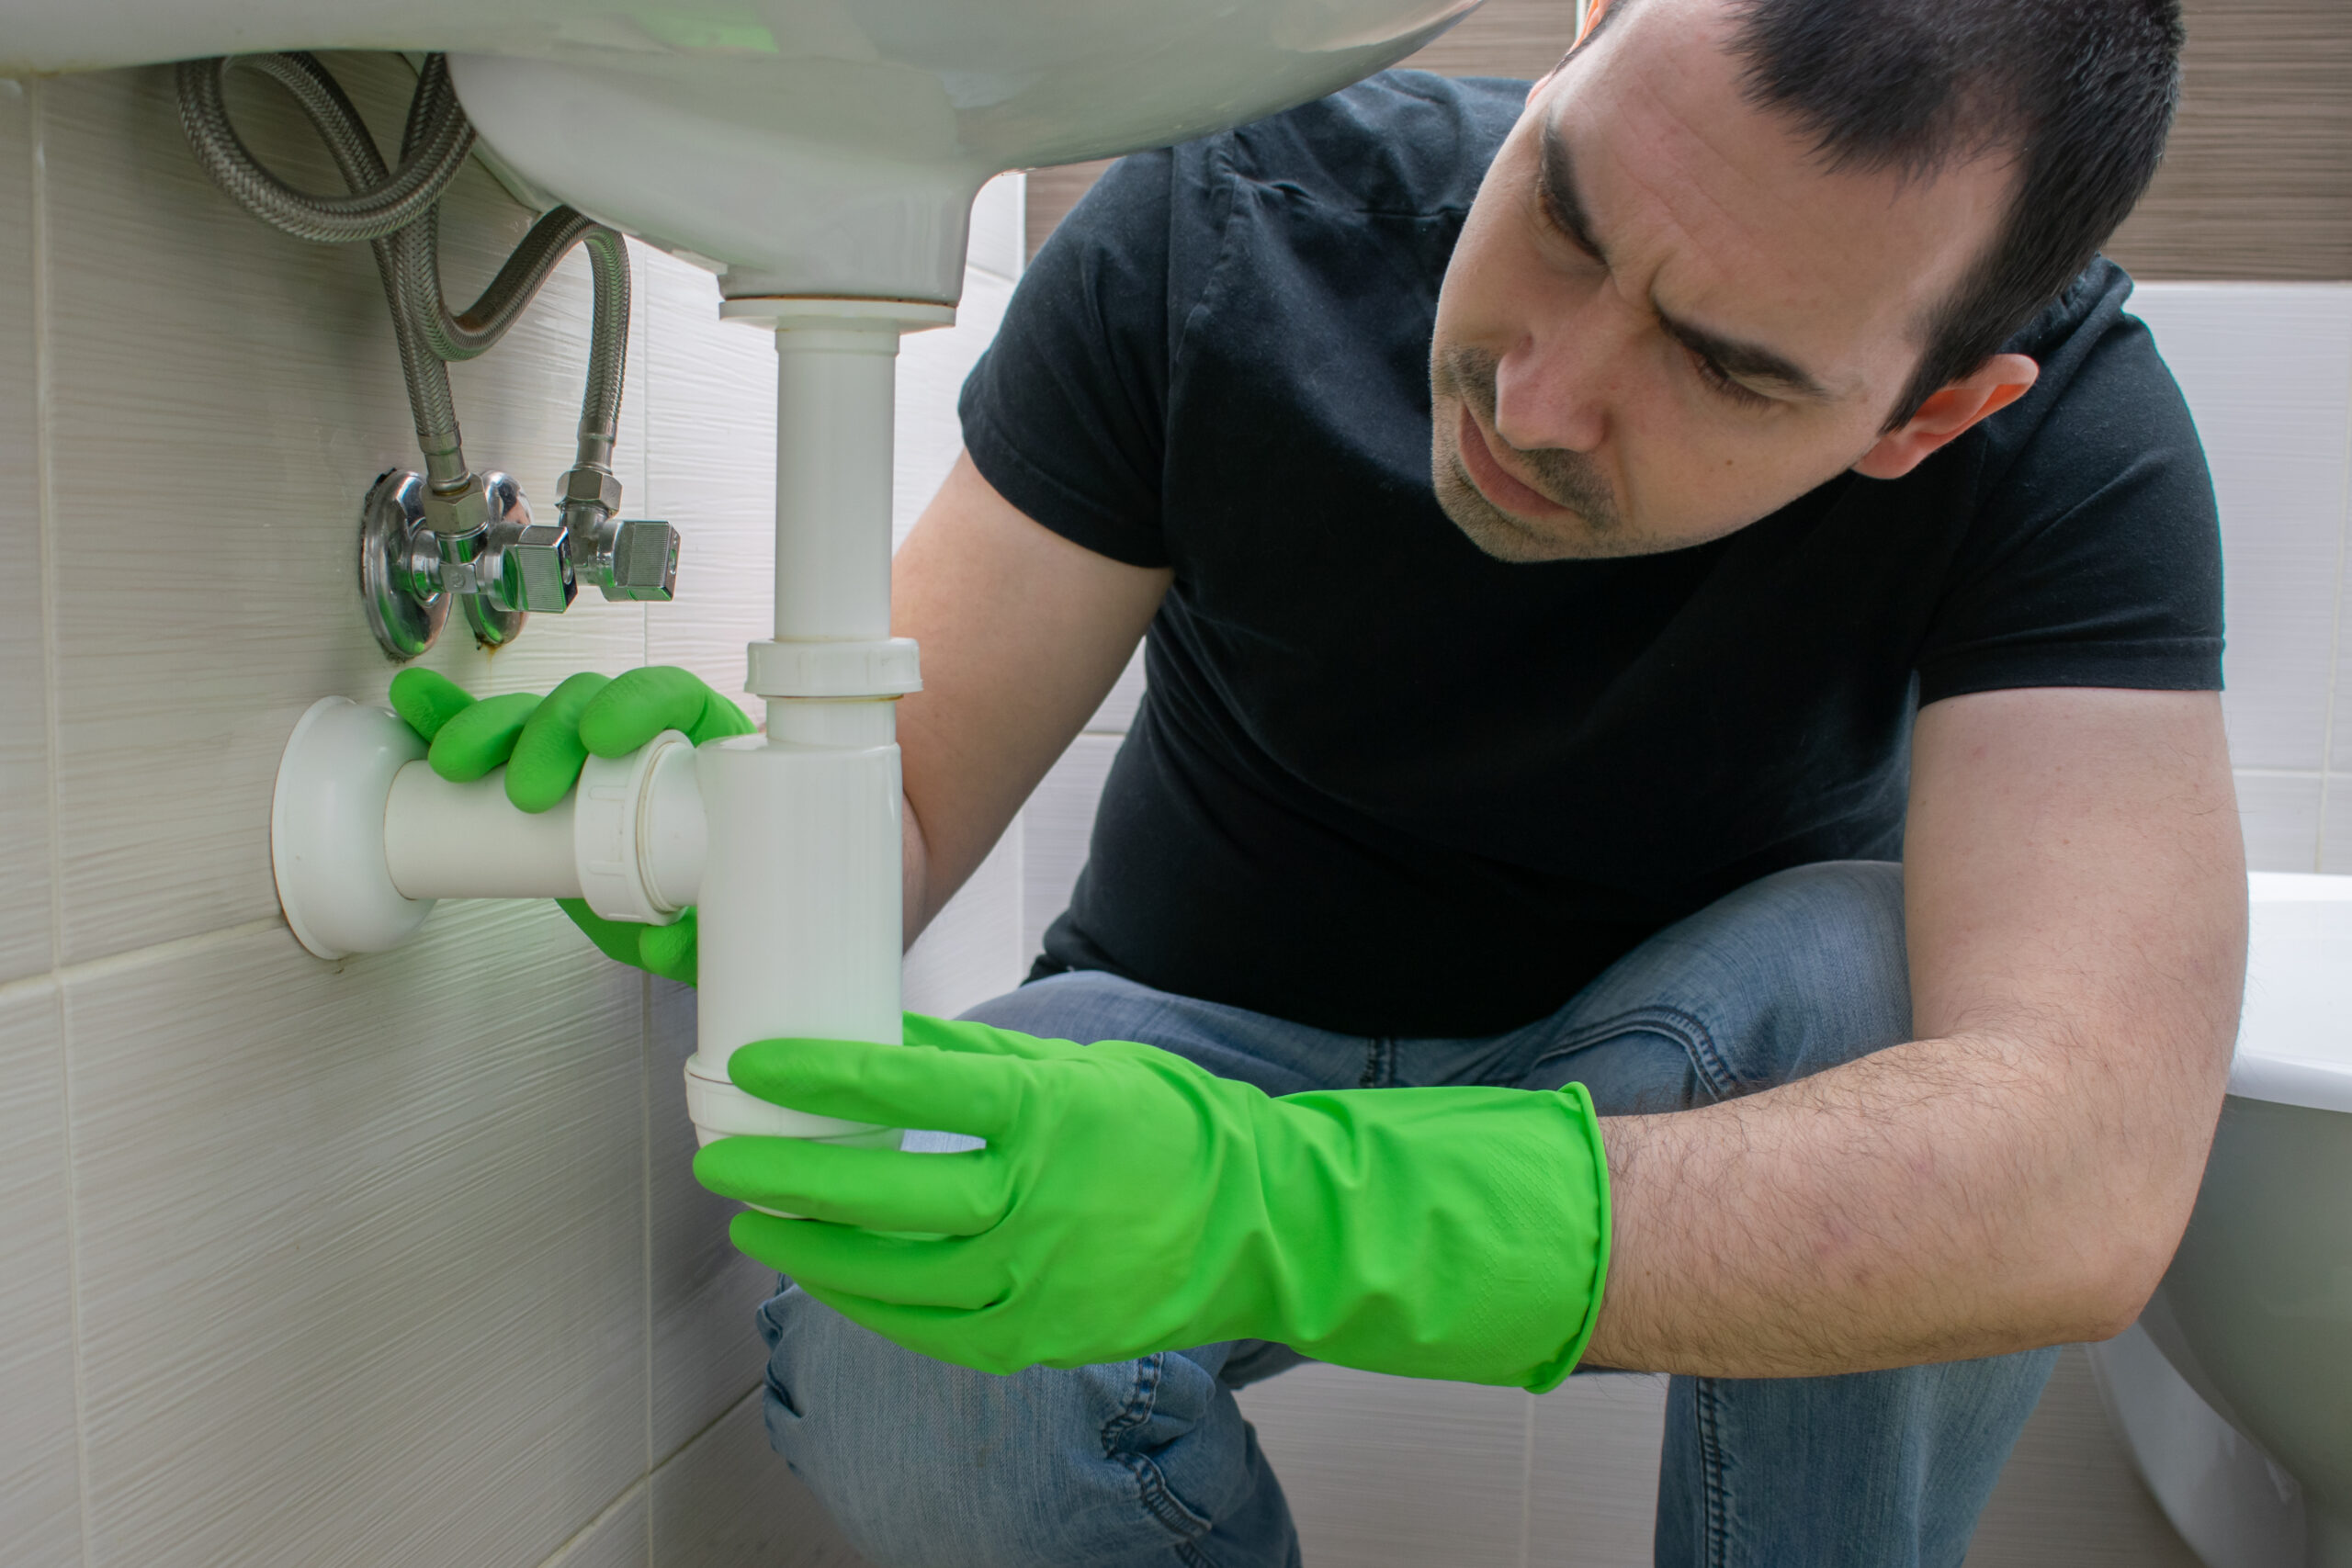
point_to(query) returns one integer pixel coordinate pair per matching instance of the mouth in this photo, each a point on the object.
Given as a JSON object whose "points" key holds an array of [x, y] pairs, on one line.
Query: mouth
{"points": [[1485, 470]]}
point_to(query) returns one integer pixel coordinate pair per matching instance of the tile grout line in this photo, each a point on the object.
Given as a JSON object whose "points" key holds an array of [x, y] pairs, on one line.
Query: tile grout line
{"points": [[645, 445], [699, 1433], [644, 298], [622, 1501], [2336, 635], [1527, 1481], [64, 975], [45, 509], [645, 1222]]}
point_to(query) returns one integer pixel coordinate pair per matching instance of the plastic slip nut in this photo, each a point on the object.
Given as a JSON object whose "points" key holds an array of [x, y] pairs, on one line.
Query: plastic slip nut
{"points": [[884, 669]]}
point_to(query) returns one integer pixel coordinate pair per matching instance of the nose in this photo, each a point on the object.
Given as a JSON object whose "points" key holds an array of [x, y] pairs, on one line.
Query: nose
{"points": [[1556, 385]]}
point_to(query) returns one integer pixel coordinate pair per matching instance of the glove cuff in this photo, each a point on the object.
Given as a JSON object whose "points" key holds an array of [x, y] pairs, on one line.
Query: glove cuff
{"points": [[1552, 1373]]}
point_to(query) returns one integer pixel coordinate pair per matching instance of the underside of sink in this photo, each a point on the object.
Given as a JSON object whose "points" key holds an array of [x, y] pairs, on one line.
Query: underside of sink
{"points": [[809, 147]]}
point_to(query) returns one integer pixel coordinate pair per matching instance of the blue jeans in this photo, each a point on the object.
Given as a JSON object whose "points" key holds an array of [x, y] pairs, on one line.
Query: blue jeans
{"points": [[1150, 1462]]}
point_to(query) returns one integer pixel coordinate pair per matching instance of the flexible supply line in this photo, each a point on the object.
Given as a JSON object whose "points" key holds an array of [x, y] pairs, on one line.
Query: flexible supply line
{"points": [[376, 207], [398, 212]]}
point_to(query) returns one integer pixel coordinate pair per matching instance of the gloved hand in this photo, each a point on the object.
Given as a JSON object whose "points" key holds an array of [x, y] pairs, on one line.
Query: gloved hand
{"points": [[544, 742], [1129, 1202]]}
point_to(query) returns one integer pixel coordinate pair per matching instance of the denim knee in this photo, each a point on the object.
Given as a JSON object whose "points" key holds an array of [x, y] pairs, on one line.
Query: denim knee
{"points": [[923, 1464], [1792, 974], [1869, 1470]]}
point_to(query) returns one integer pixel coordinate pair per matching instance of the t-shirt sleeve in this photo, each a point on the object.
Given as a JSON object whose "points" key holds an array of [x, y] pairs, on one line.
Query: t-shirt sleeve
{"points": [[1066, 412], [2096, 558]]}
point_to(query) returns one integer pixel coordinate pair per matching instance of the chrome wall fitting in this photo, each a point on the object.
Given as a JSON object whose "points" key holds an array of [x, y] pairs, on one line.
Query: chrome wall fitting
{"points": [[401, 589], [504, 569], [501, 570]]}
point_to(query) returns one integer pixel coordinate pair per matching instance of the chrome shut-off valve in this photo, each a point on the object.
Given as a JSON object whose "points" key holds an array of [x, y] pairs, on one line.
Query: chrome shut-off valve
{"points": [[626, 559], [480, 544]]}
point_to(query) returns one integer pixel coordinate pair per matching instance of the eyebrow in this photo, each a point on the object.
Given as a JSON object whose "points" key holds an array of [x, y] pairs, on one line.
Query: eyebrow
{"points": [[1557, 186]]}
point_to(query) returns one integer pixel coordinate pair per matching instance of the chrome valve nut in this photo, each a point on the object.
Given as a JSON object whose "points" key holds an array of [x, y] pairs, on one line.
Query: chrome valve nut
{"points": [[590, 487], [643, 563], [460, 512], [535, 572]]}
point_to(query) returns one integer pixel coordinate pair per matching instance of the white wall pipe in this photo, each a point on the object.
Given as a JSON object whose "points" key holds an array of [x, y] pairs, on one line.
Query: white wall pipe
{"points": [[468, 840], [631, 838], [365, 836]]}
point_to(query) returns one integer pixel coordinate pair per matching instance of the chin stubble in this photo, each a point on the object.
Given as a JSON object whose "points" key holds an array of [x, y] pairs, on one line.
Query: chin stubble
{"points": [[1570, 479]]}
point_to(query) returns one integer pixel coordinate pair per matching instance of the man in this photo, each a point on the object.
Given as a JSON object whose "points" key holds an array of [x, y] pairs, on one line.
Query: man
{"points": [[1564, 605]]}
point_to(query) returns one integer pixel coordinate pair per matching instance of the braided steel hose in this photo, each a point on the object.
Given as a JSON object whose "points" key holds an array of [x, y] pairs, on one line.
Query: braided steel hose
{"points": [[204, 117], [378, 206], [398, 213]]}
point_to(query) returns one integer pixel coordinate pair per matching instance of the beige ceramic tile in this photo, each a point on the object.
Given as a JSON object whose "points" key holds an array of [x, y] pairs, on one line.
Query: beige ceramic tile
{"points": [[620, 1537], [40, 1492], [727, 1502], [710, 469], [2335, 828], [706, 1352], [1056, 824], [1593, 1477], [1396, 1472], [2339, 728], [221, 396], [2069, 1498], [2280, 813], [2267, 371], [24, 719], [361, 1246], [999, 216]]}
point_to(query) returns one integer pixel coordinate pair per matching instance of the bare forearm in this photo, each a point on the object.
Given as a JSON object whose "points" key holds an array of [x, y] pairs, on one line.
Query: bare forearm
{"points": [[1924, 1203], [2075, 915]]}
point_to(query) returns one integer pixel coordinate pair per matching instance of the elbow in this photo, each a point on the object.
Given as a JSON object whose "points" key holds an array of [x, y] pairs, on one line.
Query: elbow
{"points": [[2108, 1313], [2107, 1292]]}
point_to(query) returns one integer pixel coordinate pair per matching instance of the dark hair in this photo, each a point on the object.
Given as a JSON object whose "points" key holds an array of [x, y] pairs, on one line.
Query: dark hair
{"points": [[2078, 93]]}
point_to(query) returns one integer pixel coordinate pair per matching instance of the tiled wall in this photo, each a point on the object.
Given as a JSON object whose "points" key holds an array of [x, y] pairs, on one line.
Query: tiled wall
{"points": [[395, 1261], [2267, 369]]}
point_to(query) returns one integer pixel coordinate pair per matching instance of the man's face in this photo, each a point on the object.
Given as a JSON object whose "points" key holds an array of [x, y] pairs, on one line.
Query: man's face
{"points": [[1665, 319]]}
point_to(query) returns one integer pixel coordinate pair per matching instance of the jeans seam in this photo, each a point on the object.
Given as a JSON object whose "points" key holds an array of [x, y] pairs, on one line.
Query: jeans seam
{"points": [[1697, 1041], [1710, 1473], [1151, 1484]]}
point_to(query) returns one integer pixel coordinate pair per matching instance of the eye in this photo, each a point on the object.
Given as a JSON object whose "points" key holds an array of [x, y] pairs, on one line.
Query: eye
{"points": [[1719, 380], [1554, 224]]}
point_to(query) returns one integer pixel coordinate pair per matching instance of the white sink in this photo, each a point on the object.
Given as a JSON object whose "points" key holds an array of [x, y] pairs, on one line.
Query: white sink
{"points": [[811, 147]]}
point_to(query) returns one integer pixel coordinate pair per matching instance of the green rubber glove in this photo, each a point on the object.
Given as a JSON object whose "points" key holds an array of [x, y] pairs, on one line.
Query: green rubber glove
{"points": [[1128, 1201], [543, 742]]}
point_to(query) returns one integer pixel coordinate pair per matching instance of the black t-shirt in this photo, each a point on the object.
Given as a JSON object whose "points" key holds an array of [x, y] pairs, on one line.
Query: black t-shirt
{"points": [[1384, 783]]}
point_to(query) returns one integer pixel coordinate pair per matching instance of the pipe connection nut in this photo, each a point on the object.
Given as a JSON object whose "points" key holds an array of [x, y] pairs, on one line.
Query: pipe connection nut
{"points": [[466, 510]]}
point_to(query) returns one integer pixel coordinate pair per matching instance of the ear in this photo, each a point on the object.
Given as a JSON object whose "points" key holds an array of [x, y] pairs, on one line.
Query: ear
{"points": [[1947, 413]]}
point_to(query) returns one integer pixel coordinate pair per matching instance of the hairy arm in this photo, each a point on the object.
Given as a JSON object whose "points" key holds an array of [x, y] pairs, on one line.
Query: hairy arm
{"points": [[2020, 1174], [1022, 635]]}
